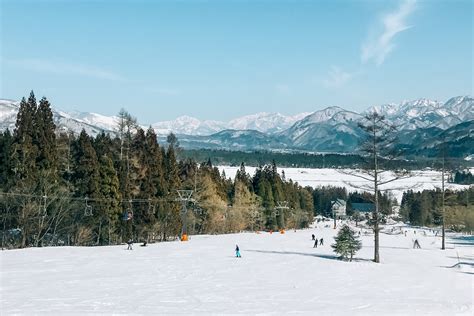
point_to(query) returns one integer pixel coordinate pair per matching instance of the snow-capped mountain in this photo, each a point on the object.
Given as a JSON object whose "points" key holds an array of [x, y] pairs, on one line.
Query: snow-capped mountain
{"points": [[107, 123], [8, 112], [332, 129], [188, 126], [424, 113], [92, 123], [262, 122], [265, 122]]}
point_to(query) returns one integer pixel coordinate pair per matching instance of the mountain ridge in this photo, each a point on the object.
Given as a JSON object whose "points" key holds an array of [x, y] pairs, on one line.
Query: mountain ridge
{"points": [[332, 129]]}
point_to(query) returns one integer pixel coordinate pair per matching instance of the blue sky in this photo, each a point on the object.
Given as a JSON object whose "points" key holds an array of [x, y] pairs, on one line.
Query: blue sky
{"points": [[222, 59]]}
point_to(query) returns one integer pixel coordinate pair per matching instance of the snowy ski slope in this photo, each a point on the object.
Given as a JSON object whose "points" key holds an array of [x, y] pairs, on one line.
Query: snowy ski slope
{"points": [[278, 274]]}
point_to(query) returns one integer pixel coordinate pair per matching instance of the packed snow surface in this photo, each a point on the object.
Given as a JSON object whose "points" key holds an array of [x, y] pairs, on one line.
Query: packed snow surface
{"points": [[278, 274], [348, 178]]}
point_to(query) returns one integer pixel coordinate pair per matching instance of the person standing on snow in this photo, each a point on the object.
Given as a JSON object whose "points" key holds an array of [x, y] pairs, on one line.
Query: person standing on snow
{"points": [[130, 243], [313, 237], [321, 242], [416, 244], [316, 243], [237, 251]]}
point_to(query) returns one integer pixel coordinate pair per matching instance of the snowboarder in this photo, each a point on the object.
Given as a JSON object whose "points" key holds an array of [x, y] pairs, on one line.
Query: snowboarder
{"points": [[237, 251], [416, 244], [321, 242], [130, 243], [312, 236], [316, 243]]}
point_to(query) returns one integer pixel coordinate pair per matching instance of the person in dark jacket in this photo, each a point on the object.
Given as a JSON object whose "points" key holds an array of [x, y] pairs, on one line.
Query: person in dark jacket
{"points": [[321, 241], [316, 243], [416, 244], [312, 237], [130, 243], [237, 251]]}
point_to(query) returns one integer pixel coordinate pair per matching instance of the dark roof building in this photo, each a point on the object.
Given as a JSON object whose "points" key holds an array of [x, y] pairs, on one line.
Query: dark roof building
{"points": [[363, 207]]}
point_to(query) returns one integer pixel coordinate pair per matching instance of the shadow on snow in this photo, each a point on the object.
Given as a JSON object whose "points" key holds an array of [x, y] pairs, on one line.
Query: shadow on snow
{"points": [[317, 255]]}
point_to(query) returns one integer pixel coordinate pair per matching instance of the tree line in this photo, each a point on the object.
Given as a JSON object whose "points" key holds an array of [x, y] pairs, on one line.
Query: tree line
{"points": [[425, 208], [58, 188], [310, 160], [463, 177]]}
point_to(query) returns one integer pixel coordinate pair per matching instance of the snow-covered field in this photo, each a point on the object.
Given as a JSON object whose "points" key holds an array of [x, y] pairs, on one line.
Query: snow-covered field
{"points": [[418, 181], [278, 274]]}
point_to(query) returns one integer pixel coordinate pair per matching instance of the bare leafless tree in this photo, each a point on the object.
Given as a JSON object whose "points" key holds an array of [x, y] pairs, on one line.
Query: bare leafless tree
{"points": [[378, 148]]}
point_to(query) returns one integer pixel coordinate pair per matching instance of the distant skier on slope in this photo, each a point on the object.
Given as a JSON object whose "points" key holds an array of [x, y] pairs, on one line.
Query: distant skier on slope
{"points": [[316, 243], [130, 243], [321, 241], [237, 252], [416, 244], [313, 237]]}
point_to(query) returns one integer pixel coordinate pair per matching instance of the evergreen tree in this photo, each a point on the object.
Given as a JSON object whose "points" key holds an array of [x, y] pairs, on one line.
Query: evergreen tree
{"points": [[23, 173], [6, 141], [86, 181], [104, 145], [109, 211], [170, 211], [347, 243], [45, 137], [24, 151]]}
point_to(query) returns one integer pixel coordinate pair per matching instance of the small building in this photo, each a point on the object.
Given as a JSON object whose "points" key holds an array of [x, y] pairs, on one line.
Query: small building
{"points": [[338, 208], [363, 207]]}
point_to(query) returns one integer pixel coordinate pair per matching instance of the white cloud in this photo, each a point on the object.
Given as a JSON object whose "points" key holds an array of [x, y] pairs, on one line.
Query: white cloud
{"points": [[377, 48], [62, 68], [337, 78]]}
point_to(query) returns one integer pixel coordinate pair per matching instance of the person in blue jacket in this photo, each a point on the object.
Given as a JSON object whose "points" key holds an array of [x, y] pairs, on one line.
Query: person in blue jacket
{"points": [[237, 251]]}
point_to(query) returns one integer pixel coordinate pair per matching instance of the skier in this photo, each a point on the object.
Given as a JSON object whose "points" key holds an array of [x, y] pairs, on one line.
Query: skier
{"points": [[316, 243], [130, 243], [416, 244], [321, 242], [312, 236], [237, 251]]}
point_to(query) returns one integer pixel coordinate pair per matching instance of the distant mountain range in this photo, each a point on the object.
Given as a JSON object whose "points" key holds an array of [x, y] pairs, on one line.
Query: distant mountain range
{"points": [[423, 125], [261, 122]]}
